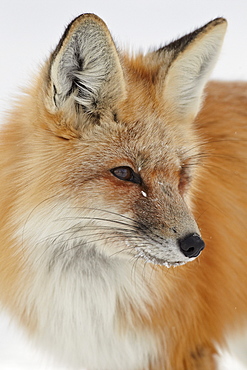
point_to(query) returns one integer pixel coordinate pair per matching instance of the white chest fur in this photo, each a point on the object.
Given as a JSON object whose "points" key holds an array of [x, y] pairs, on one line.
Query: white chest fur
{"points": [[74, 297]]}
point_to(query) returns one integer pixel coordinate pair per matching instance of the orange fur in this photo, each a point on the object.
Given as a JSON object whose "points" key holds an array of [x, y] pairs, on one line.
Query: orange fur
{"points": [[48, 157]]}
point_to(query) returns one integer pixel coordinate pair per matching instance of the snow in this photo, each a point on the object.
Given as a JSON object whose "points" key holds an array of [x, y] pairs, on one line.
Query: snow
{"points": [[16, 352], [29, 30]]}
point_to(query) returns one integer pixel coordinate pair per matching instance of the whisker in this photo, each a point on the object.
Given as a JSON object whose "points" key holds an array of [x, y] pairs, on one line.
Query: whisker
{"points": [[140, 226], [99, 219], [109, 212], [154, 268], [105, 237], [134, 267], [32, 211], [77, 246], [73, 230]]}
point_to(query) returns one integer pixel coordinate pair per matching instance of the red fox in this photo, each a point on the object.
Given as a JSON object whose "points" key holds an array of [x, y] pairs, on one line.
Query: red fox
{"points": [[123, 203]]}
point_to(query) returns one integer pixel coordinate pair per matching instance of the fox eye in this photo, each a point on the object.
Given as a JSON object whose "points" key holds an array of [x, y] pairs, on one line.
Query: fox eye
{"points": [[126, 173]]}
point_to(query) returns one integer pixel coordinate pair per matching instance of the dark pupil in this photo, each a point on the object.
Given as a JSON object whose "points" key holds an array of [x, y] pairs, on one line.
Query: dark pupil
{"points": [[123, 173]]}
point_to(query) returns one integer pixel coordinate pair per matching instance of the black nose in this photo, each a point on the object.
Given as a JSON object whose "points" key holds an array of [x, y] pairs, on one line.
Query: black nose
{"points": [[191, 245]]}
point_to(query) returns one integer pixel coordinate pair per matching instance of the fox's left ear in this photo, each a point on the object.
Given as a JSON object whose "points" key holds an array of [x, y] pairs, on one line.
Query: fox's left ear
{"points": [[189, 63], [84, 70]]}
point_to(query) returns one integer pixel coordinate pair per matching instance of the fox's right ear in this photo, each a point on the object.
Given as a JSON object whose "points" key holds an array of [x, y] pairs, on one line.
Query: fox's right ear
{"points": [[84, 70], [187, 65]]}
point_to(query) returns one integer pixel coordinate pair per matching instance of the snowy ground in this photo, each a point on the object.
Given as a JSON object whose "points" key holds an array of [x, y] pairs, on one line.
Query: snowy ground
{"points": [[30, 29]]}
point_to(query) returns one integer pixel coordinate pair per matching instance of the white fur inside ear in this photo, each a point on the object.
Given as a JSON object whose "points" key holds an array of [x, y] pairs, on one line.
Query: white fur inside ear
{"points": [[87, 67], [188, 74], [80, 69]]}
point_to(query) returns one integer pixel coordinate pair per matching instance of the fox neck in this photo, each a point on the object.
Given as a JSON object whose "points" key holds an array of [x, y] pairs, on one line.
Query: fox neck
{"points": [[82, 297]]}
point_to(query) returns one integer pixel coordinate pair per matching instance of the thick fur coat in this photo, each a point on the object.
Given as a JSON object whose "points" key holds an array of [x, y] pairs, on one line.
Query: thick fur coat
{"points": [[115, 172]]}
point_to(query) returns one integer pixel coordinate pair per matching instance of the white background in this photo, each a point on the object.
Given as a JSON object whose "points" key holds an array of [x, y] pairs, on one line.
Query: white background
{"points": [[30, 29]]}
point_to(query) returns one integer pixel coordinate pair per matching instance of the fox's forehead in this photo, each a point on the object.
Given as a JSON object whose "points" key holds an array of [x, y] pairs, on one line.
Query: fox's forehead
{"points": [[147, 123], [148, 143]]}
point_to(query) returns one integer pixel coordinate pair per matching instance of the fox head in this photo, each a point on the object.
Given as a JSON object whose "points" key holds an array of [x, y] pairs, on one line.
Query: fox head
{"points": [[109, 157]]}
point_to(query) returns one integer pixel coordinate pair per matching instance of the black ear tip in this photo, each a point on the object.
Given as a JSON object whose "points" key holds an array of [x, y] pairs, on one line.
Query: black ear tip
{"points": [[217, 21], [71, 28]]}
